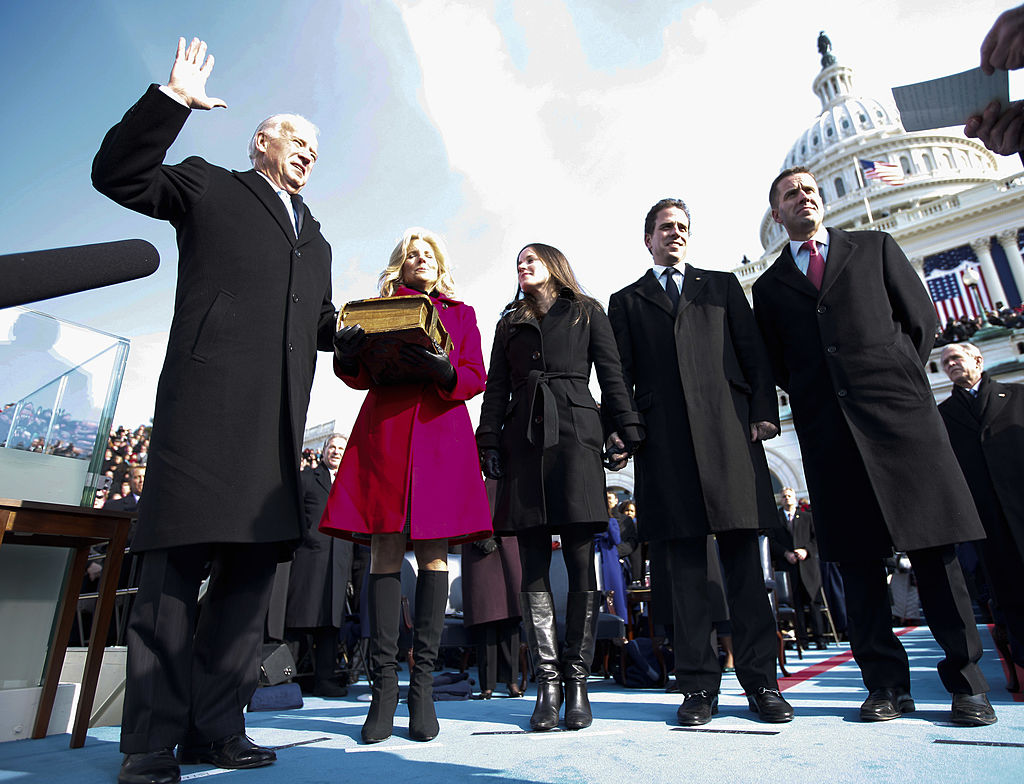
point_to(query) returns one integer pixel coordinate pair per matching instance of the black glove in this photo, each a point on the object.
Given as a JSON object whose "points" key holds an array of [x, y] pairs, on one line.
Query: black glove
{"points": [[347, 343], [425, 362], [490, 463], [486, 546]]}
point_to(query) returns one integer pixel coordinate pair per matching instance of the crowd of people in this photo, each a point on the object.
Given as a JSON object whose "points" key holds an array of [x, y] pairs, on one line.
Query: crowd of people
{"points": [[688, 373], [961, 328]]}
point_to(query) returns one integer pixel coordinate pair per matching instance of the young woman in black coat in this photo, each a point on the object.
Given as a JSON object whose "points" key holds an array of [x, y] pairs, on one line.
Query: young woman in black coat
{"points": [[541, 437]]}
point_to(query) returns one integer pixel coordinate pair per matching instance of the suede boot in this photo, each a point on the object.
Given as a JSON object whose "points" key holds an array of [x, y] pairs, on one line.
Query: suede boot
{"points": [[542, 637], [385, 602], [581, 612], [428, 624]]}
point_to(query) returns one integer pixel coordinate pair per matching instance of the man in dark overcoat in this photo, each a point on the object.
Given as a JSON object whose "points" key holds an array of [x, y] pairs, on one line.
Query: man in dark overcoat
{"points": [[698, 374], [253, 304], [319, 577], [985, 422], [848, 326], [794, 550]]}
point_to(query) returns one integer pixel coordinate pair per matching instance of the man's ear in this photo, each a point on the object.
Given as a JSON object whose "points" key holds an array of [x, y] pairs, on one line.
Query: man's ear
{"points": [[647, 242], [775, 216], [261, 141]]}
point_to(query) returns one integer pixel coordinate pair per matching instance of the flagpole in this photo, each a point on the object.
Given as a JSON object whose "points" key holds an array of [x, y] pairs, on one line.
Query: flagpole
{"points": [[863, 187]]}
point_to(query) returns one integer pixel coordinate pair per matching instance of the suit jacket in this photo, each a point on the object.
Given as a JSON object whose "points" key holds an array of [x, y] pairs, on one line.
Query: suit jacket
{"points": [[879, 467], [699, 377], [800, 535], [990, 450], [252, 305], [538, 411], [320, 573]]}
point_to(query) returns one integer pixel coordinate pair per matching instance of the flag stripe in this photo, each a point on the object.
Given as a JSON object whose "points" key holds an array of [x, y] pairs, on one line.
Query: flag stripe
{"points": [[889, 173]]}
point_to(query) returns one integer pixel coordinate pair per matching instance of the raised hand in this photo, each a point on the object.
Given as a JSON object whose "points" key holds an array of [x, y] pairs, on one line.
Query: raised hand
{"points": [[189, 74]]}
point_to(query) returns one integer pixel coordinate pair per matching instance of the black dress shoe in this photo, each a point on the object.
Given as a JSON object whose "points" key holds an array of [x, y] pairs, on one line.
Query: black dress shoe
{"points": [[330, 689], [150, 767], [698, 707], [972, 710], [770, 705], [234, 751], [885, 705]]}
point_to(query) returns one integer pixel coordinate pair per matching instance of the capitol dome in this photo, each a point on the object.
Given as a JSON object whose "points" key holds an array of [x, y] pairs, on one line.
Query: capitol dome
{"points": [[853, 127]]}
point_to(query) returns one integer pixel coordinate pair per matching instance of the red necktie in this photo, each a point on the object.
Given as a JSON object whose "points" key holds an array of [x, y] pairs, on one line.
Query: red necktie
{"points": [[816, 266]]}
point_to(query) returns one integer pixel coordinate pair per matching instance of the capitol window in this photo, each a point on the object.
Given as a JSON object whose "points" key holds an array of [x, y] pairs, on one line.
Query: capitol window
{"points": [[906, 165], [840, 187], [929, 165]]}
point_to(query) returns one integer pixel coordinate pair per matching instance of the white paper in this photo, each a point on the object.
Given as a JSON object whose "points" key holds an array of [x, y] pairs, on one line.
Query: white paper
{"points": [[949, 100]]}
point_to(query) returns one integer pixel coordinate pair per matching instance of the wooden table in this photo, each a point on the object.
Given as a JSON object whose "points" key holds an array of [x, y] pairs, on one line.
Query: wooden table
{"points": [[77, 528]]}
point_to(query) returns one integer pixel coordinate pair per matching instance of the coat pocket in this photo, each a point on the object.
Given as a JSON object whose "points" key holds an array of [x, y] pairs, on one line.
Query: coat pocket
{"points": [[211, 325], [586, 421]]}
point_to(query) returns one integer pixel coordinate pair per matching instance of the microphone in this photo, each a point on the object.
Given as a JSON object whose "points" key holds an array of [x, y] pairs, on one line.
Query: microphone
{"points": [[42, 274]]}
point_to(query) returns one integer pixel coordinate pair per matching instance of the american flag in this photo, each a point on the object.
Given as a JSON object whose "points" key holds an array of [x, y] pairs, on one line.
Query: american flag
{"points": [[950, 295], [889, 173]]}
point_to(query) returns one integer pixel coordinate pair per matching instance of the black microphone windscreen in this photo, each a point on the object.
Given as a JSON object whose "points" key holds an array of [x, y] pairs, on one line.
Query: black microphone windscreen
{"points": [[42, 274]]}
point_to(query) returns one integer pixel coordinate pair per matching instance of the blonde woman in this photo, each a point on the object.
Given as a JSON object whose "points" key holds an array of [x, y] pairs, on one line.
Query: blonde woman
{"points": [[410, 478]]}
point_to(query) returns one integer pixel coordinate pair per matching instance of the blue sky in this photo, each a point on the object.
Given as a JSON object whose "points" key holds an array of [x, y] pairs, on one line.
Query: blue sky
{"points": [[495, 123]]}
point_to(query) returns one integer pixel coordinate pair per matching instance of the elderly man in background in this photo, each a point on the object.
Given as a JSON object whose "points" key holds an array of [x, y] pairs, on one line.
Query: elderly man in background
{"points": [[318, 582], [985, 421], [253, 304]]}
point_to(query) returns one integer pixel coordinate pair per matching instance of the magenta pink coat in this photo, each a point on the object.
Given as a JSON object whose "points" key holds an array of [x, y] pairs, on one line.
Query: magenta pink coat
{"points": [[412, 448]]}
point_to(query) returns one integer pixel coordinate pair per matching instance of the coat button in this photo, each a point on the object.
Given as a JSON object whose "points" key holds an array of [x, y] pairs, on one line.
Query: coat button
{"points": [[538, 420], [822, 309], [291, 347], [298, 253], [535, 356], [841, 393], [831, 349], [295, 297]]}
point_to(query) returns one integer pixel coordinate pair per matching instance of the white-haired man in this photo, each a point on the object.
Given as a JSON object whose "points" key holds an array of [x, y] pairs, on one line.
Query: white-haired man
{"points": [[985, 422], [253, 304]]}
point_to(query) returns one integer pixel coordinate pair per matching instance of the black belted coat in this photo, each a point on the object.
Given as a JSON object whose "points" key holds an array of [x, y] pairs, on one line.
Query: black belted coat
{"points": [[539, 413]]}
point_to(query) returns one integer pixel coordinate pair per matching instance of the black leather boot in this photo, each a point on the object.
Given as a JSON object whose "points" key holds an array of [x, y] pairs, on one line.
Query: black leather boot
{"points": [[428, 624], [385, 603], [581, 612], [542, 637]]}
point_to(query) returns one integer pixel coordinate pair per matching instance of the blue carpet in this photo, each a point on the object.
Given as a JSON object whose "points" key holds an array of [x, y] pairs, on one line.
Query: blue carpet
{"points": [[633, 739]]}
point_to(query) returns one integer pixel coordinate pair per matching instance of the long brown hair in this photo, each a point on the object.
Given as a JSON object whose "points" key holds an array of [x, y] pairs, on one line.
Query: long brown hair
{"points": [[525, 306]]}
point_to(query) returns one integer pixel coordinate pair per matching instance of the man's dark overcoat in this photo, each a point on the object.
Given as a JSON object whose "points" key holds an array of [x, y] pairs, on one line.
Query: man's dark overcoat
{"points": [[322, 567], [801, 535], [851, 359], [252, 305], [538, 412], [991, 453], [699, 379]]}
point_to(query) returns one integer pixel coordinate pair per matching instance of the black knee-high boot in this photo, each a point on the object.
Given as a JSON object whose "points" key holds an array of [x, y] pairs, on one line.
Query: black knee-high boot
{"points": [[431, 600], [385, 603], [581, 612], [542, 637]]}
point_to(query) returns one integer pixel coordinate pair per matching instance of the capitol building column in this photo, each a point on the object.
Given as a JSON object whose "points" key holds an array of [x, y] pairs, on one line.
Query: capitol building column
{"points": [[1008, 241], [988, 269]]}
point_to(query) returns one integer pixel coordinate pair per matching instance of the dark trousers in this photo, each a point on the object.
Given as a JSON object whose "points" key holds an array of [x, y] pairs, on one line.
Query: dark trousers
{"points": [[497, 652], [753, 626], [947, 607], [189, 682], [802, 617], [1004, 567]]}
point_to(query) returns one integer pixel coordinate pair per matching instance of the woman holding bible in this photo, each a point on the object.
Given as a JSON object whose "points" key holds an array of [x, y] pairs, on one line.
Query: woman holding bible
{"points": [[411, 447], [541, 437]]}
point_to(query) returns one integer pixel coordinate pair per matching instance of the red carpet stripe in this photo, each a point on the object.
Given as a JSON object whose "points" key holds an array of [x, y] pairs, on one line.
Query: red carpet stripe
{"points": [[824, 666]]}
